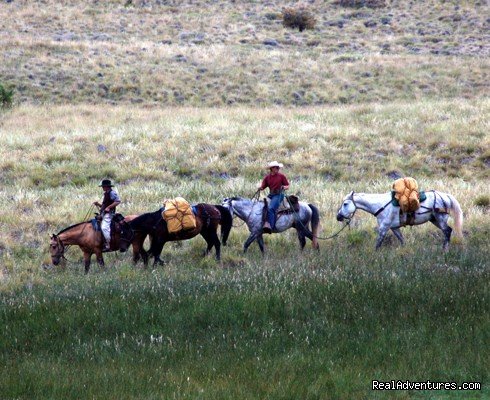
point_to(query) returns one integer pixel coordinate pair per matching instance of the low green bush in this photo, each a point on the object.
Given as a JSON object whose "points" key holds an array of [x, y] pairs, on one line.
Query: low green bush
{"points": [[6, 97]]}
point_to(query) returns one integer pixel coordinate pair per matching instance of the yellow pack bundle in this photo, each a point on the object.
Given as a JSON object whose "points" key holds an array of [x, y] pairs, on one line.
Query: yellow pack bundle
{"points": [[178, 215], [407, 194]]}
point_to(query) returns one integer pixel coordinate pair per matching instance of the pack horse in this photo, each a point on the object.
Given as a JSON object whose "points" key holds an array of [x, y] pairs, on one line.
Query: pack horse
{"points": [[435, 208]]}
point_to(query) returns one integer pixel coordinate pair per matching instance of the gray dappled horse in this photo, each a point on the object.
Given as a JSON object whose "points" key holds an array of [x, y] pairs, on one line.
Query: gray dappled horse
{"points": [[252, 211], [435, 209]]}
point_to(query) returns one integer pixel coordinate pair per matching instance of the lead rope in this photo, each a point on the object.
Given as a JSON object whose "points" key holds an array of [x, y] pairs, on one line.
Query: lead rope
{"points": [[319, 237]]}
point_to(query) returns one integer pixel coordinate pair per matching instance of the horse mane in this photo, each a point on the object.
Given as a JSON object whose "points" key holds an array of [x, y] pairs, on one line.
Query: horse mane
{"points": [[145, 219], [71, 226]]}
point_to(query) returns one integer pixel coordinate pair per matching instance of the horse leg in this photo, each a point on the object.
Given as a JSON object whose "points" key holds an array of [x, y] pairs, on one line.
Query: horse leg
{"points": [[156, 250], [140, 254], [209, 243], [249, 241], [86, 260], [441, 222], [136, 253], [301, 238], [383, 230], [217, 244], [310, 236], [158, 261], [212, 239], [399, 236], [260, 241], [100, 259]]}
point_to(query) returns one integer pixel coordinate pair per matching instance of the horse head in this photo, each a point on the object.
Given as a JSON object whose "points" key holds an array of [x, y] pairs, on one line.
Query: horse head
{"points": [[126, 235], [348, 207], [228, 203], [56, 249]]}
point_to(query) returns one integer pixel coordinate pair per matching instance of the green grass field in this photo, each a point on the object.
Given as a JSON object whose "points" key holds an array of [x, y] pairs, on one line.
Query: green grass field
{"points": [[287, 325], [186, 98]]}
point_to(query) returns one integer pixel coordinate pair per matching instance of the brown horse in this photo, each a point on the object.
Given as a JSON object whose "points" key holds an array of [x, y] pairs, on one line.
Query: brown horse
{"points": [[208, 218], [90, 242]]}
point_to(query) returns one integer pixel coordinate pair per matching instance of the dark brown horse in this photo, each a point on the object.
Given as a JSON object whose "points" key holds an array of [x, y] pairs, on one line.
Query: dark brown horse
{"points": [[208, 218], [90, 242]]}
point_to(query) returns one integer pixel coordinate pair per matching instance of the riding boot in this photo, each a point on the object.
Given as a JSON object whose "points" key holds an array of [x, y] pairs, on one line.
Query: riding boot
{"points": [[267, 227]]}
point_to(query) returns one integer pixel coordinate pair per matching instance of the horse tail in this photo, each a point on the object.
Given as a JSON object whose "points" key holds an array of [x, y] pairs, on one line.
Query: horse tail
{"points": [[315, 224], [226, 223], [457, 214]]}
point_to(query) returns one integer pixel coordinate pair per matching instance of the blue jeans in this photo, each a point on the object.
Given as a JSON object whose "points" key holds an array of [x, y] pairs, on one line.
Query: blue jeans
{"points": [[274, 203]]}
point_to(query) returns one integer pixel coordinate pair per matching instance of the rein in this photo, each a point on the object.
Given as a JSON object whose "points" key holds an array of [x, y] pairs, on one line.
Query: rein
{"points": [[255, 199], [86, 216], [122, 239], [326, 237], [61, 252]]}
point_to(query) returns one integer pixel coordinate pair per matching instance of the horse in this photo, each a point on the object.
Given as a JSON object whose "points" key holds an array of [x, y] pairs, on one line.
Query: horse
{"points": [[208, 217], [435, 209], [89, 241], [252, 211]]}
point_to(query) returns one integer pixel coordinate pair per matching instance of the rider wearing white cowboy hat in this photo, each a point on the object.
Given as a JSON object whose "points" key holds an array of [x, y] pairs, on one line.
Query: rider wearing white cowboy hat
{"points": [[277, 183], [107, 209]]}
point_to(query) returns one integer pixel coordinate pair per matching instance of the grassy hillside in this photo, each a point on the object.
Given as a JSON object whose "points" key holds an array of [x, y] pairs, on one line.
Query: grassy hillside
{"points": [[208, 53]]}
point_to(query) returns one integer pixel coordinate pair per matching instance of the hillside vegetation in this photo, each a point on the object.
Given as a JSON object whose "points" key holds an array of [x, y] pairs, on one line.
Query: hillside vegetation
{"points": [[193, 98], [208, 53]]}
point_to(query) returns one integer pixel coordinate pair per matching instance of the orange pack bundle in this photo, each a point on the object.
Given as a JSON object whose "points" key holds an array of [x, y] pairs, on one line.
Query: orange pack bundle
{"points": [[407, 193], [178, 215]]}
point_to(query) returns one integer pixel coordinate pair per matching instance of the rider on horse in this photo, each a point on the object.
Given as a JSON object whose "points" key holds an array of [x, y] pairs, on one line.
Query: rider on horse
{"points": [[277, 183], [107, 209]]}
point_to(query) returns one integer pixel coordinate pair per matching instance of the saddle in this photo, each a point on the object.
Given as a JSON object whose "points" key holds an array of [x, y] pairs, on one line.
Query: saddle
{"points": [[96, 221], [406, 195], [287, 202], [284, 208]]}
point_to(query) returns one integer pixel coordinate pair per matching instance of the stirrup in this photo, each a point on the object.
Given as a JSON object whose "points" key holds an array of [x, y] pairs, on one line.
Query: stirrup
{"points": [[267, 228]]}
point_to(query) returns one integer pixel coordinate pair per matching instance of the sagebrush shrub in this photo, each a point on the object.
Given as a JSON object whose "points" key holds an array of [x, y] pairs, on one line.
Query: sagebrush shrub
{"points": [[362, 3], [482, 201], [299, 18], [6, 97]]}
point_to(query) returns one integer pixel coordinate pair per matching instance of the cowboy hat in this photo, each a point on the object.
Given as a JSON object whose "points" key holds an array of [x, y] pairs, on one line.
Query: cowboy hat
{"points": [[275, 164], [106, 182]]}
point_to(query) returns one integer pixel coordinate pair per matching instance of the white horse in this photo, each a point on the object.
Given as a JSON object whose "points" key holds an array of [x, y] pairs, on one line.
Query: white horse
{"points": [[435, 209], [251, 211]]}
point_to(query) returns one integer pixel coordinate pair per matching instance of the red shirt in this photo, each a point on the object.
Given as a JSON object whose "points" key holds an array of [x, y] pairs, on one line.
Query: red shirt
{"points": [[274, 182]]}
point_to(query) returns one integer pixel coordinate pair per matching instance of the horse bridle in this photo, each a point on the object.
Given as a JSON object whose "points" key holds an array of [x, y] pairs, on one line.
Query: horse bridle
{"points": [[229, 202], [232, 209], [351, 198], [61, 247], [130, 240], [61, 251]]}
